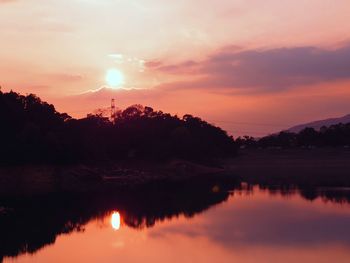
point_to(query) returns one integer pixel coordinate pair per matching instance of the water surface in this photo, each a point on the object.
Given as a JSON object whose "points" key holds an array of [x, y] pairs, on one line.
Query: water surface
{"points": [[245, 225]]}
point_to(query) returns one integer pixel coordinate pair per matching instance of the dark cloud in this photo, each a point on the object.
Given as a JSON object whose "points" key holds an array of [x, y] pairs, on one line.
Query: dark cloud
{"points": [[264, 70]]}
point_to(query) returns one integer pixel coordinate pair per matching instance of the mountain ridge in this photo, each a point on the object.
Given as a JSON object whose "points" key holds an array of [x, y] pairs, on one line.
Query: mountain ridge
{"points": [[320, 123]]}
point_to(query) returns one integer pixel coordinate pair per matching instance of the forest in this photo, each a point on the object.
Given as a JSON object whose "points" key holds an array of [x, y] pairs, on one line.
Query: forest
{"points": [[32, 131], [333, 136]]}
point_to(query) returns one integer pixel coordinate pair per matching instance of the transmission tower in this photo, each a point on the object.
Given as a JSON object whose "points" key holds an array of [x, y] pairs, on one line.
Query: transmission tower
{"points": [[112, 109]]}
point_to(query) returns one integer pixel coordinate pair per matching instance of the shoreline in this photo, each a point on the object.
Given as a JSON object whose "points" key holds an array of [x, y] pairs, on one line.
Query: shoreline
{"points": [[316, 167], [33, 180], [326, 167]]}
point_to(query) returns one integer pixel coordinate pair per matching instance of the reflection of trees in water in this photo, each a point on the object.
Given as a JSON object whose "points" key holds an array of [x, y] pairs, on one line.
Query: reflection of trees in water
{"points": [[330, 188], [35, 224], [307, 192]]}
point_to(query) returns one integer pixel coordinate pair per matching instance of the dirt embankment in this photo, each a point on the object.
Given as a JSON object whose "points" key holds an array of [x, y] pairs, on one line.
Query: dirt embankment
{"points": [[45, 179], [299, 167], [318, 167]]}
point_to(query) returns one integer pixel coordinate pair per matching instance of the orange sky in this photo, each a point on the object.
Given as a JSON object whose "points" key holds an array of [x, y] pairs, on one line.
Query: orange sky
{"points": [[252, 67]]}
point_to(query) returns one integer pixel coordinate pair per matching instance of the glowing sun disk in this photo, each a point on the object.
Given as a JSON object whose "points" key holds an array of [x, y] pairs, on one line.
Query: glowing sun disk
{"points": [[114, 78], [115, 220]]}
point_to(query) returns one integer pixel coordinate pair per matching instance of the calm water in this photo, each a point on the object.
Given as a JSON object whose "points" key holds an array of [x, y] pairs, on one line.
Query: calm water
{"points": [[252, 225]]}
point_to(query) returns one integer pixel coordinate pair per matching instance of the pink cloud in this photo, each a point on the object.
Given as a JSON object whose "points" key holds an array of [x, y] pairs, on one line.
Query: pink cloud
{"points": [[268, 70]]}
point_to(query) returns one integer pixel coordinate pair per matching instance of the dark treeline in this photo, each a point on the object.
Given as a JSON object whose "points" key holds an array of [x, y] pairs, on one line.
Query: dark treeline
{"points": [[33, 131], [332, 136]]}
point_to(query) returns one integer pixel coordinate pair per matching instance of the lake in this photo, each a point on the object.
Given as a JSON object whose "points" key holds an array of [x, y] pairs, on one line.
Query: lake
{"points": [[245, 224]]}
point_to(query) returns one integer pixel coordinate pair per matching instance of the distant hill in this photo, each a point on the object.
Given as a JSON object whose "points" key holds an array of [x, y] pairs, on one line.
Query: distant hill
{"points": [[318, 124]]}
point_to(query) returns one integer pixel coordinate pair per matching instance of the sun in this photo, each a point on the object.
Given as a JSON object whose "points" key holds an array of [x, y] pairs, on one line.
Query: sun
{"points": [[115, 78], [115, 220]]}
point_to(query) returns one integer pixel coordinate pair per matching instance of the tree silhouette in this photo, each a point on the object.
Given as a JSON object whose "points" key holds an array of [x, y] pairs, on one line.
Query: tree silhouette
{"points": [[33, 131], [335, 136]]}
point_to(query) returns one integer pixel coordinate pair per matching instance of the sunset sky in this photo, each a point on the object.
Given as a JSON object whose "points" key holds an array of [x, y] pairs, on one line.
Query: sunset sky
{"points": [[252, 67]]}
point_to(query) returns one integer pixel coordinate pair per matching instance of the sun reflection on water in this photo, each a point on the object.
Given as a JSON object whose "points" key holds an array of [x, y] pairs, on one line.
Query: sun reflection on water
{"points": [[115, 220]]}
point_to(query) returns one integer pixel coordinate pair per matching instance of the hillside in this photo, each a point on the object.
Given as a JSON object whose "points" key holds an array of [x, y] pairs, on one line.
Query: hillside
{"points": [[320, 123]]}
